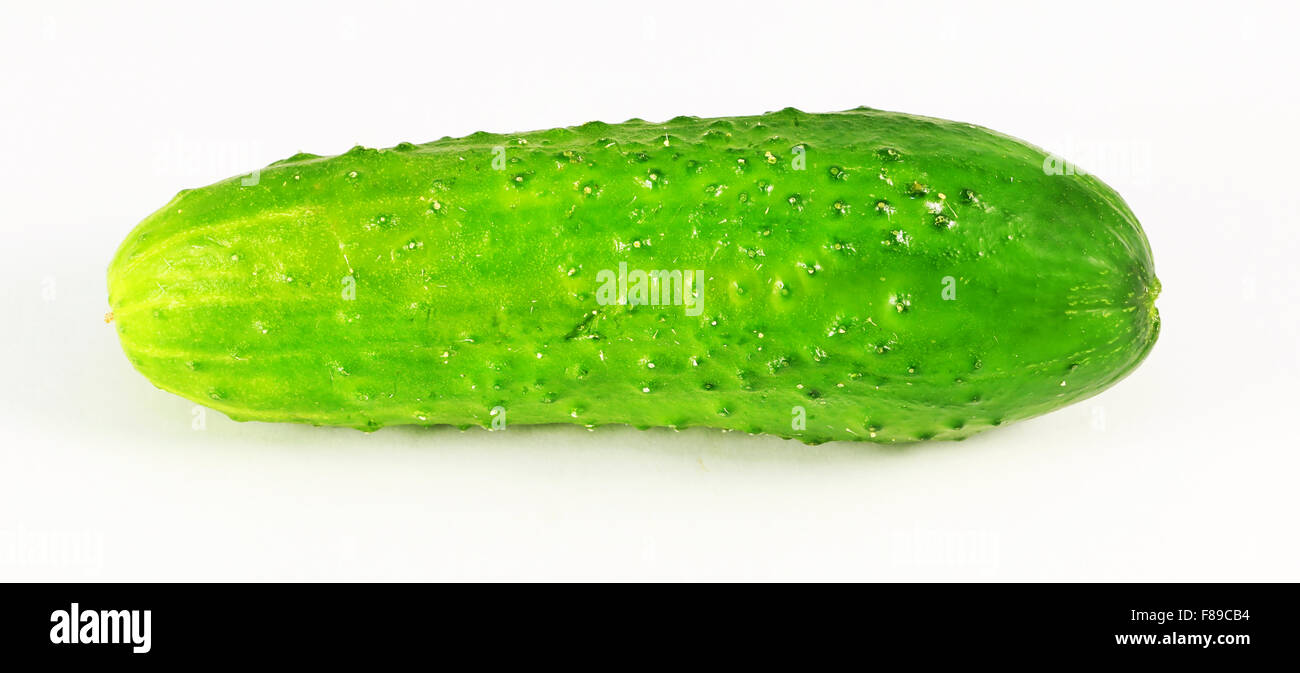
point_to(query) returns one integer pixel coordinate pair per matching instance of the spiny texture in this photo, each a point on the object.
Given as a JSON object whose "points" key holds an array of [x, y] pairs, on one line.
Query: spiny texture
{"points": [[866, 275]]}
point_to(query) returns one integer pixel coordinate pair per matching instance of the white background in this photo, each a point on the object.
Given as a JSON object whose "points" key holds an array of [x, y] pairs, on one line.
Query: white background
{"points": [[1184, 471]]}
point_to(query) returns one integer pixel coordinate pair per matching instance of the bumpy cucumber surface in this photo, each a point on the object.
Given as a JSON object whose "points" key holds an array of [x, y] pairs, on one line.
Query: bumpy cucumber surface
{"points": [[865, 275]]}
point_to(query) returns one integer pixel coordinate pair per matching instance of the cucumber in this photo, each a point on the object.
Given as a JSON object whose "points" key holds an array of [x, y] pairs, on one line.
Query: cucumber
{"points": [[859, 275]]}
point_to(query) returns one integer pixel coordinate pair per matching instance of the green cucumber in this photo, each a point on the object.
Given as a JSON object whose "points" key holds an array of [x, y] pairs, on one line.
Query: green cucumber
{"points": [[860, 275]]}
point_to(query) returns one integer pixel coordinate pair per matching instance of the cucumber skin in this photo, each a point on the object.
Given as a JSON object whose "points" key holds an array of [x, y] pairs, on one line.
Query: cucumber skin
{"points": [[475, 287]]}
